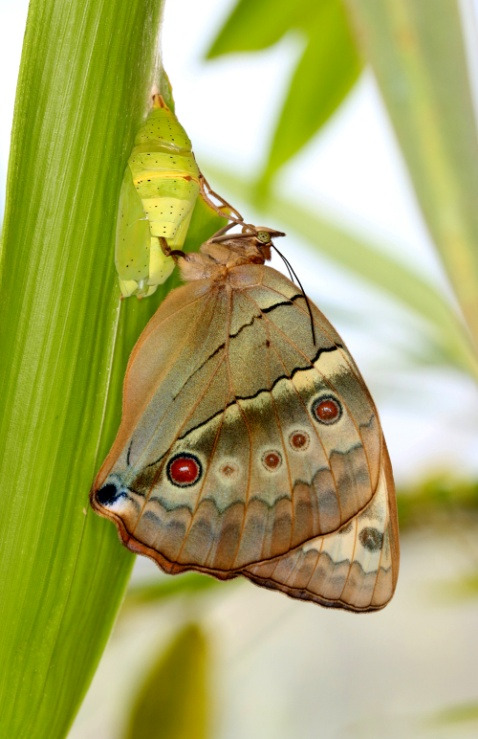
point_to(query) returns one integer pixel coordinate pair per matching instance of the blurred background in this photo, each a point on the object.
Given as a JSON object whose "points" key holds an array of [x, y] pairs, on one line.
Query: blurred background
{"points": [[229, 660]]}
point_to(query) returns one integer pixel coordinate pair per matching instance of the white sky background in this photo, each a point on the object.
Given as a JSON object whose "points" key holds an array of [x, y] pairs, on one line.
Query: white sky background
{"points": [[354, 169]]}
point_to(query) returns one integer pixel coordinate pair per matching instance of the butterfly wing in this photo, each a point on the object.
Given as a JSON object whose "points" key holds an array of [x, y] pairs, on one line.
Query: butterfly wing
{"points": [[242, 438], [355, 568]]}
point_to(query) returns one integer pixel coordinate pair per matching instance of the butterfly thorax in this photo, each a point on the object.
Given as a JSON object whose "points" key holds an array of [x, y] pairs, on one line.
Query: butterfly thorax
{"points": [[215, 260]]}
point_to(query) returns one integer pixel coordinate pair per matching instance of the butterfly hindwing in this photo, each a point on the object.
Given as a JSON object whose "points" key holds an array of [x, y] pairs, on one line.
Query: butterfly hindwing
{"points": [[354, 568]]}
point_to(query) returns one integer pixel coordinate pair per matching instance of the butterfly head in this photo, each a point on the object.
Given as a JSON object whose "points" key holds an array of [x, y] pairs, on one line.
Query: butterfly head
{"points": [[224, 250]]}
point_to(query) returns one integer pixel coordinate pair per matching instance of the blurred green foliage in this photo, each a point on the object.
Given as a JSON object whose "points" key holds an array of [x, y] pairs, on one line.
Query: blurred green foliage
{"points": [[435, 499], [455, 716], [327, 68], [174, 700]]}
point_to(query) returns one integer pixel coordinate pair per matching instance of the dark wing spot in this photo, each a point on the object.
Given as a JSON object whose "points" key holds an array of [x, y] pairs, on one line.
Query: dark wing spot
{"points": [[107, 494], [371, 539]]}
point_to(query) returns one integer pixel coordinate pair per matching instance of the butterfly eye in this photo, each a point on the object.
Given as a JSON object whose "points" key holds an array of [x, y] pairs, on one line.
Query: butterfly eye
{"points": [[271, 460], [264, 237], [299, 440], [327, 410], [184, 470]]}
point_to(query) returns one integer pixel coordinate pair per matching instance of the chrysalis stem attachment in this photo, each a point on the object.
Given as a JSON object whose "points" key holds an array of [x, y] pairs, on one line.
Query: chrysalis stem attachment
{"points": [[175, 254]]}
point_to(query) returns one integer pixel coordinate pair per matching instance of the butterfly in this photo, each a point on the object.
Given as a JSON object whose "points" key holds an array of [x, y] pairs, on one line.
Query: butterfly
{"points": [[249, 443]]}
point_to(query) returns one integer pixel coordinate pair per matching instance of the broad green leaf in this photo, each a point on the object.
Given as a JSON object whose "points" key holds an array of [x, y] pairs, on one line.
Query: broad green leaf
{"points": [[327, 70], [253, 26], [418, 56], [64, 341], [367, 261], [174, 700], [85, 79]]}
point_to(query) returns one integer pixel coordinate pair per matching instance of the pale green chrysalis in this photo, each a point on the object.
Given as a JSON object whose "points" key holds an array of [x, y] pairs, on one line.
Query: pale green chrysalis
{"points": [[160, 187]]}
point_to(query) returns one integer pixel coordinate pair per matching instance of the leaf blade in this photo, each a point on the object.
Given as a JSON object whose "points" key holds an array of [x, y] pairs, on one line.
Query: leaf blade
{"points": [[258, 25], [326, 72], [417, 52]]}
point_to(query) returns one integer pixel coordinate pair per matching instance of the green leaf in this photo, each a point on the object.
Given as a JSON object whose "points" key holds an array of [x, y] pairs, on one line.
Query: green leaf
{"points": [[417, 52], [174, 701], [369, 262], [62, 572], [328, 69], [84, 85], [260, 24]]}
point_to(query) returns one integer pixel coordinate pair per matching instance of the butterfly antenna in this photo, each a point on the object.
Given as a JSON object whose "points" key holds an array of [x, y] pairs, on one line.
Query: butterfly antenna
{"points": [[293, 276]]}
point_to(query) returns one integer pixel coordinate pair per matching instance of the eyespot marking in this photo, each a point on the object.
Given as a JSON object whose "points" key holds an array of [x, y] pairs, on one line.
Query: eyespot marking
{"points": [[326, 409], [184, 470], [299, 440], [271, 460]]}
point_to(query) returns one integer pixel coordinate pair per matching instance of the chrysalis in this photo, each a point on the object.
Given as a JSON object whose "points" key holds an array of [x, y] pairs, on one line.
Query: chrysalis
{"points": [[160, 187]]}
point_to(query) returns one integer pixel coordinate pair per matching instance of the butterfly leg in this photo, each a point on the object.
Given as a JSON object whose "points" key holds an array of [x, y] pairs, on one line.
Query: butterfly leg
{"points": [[208, 193]]}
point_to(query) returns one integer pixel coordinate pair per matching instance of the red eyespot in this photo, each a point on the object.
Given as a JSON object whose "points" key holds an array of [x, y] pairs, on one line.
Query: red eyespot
{"points": [[271, 460], [327, 410], [299, 440], [184, 470]]}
